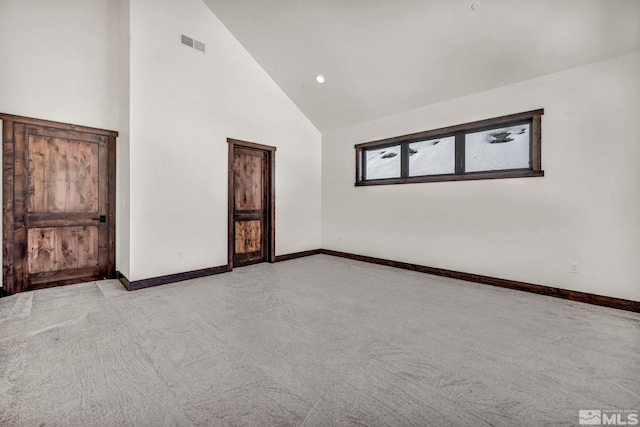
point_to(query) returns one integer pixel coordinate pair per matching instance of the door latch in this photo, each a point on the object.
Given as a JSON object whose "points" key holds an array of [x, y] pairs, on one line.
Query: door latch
{"points": [[103, 218]]}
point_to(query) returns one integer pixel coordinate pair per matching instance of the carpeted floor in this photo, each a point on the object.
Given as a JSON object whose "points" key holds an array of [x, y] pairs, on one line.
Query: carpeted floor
{"points": [[317, 341]]}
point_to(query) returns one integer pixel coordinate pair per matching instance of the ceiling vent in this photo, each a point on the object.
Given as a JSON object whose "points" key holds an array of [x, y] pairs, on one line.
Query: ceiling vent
{"points": [[192, 43]]}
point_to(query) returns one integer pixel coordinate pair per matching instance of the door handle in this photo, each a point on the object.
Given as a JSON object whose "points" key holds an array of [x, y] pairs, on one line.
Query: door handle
{"points": [[103, 218]]}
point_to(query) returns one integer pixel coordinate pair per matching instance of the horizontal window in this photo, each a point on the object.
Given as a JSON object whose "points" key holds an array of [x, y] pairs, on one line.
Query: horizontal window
{"points": [[502, 147]]}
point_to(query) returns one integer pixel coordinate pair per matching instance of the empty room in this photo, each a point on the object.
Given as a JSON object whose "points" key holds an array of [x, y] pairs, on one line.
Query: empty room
{"points": [[320, 212]]}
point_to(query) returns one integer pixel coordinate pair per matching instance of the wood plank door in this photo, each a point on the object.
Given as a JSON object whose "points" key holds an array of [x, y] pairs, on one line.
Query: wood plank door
{"points": [[250, 203], [63, 204]]}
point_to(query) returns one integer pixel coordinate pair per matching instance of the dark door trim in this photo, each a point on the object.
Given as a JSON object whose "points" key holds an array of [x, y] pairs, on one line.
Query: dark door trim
{"points": [[271, 199], [14, 196]]}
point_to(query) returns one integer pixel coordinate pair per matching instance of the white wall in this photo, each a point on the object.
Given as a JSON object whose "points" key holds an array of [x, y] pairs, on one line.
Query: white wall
{"points": [[184, 106], [584, 210], [60, 60], [123, 231]]}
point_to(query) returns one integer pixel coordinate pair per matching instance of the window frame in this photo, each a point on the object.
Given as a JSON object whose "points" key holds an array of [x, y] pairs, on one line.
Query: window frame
{"points": [[534, 118]]}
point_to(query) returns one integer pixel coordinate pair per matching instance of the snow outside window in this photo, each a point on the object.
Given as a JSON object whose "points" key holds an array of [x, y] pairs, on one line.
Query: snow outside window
{"points": [[432, 157], [497, 149], [383, 163]]}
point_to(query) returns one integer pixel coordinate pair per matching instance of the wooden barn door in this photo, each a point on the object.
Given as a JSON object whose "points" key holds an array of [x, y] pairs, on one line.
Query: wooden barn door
{"points": [[251, 227], [59, 186]]}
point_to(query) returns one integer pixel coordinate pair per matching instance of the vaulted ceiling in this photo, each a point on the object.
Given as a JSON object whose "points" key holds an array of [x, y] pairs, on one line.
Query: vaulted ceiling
{"points": [[382, 57]]}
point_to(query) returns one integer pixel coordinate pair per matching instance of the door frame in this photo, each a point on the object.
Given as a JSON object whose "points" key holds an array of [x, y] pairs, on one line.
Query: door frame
{"points": [[271, 198], [15, 251]]}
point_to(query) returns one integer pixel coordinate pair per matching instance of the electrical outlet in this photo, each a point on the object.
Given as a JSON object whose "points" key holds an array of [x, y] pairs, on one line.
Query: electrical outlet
{"points": [[574, 267], [180, 255]]}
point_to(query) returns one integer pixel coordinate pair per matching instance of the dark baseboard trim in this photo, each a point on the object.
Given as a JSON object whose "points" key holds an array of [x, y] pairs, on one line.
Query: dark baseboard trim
{"points": [[123, 279], [295, 255], [171, 278], [162, 280], [621, 304], [612, 302]]}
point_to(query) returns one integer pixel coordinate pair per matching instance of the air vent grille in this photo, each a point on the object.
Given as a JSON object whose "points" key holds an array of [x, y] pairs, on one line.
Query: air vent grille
{"points": [[198, 45], [187, 41], [191, 42]]}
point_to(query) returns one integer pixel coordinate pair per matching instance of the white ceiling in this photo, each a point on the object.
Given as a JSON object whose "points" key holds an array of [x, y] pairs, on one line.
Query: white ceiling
{"points": [[382, 57]]}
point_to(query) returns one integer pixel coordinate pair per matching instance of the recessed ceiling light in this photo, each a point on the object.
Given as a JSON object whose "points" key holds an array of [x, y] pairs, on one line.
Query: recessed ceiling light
{"points": [[475, 5], [320, 78]]}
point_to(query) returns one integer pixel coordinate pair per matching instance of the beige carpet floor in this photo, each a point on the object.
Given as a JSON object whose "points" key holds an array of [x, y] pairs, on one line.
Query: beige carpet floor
{"points": [[317, 341]]}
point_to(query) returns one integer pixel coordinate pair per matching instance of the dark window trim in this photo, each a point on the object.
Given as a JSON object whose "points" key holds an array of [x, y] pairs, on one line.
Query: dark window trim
{"points": [[458, 131]]}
